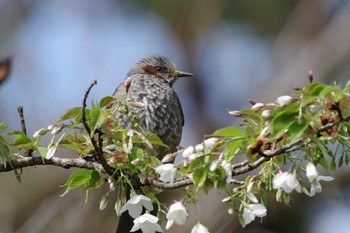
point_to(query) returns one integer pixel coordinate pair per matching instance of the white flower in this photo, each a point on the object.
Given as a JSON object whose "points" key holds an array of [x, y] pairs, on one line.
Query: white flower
{"points": [[199, 147], [314, 179], [51, 152], [147, 223], [256, 107], [214, 165], [177, 214], [134, 205], [50, 127], [284, 100], [252, 197], [187, 152], [227, 167], [250, 186], [264, 131], [266, 113], [210, 142], [57, 129], [199, 228], [287, 181], [252, 211], [39, 133], [167, 172]]}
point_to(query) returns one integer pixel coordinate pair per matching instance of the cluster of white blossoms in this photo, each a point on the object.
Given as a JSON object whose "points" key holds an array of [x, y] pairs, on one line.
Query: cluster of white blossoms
{"points": [[168, 171], [288, 181], [55, 129], [148, 223], [193, 152]]}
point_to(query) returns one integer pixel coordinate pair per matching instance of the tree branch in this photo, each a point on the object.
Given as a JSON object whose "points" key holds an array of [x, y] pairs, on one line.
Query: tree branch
{"points": [[55, 161]]}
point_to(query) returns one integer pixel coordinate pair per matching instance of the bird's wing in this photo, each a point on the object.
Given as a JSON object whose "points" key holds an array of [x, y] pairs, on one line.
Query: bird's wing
{"points": [[180, 107], [120, 91]]}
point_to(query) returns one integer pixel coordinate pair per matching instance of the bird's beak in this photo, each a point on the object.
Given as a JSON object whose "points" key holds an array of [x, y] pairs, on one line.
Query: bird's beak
{"points": [[180, 74]]}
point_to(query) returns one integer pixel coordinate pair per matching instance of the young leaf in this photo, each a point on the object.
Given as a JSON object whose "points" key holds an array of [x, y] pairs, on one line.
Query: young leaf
{"points": [[42, 150], [230, 131], [22, 140], [4, 152], [149, 138], [70, 113], [232, 148], [106, 101], [89, 179], [2, 126], [98, 118], [199, 177]]}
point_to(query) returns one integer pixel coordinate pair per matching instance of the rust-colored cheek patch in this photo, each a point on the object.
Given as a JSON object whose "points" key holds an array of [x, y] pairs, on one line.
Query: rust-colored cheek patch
{"points": [[150, 70]]}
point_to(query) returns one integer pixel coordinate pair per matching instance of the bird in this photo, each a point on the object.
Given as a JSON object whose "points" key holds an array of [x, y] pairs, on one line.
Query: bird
{"points": [[150, 83]]}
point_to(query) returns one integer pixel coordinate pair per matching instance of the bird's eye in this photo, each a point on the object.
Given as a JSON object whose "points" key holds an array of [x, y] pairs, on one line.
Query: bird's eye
{"points": [[160, 68]]}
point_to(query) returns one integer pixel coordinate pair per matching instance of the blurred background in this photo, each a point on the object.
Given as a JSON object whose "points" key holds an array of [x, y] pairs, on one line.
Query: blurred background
{"points": [[238, 50]]}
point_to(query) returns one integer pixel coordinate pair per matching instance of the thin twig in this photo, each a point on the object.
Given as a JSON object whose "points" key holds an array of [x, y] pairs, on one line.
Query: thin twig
{"points": [[21, 117], [24, 128], [97, 146]]}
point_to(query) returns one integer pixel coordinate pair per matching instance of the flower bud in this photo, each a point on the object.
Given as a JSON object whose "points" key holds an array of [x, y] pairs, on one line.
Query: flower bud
{"points": [[57, 129], [199, 147], [210, 142], [236, 113], [256, 107], [135, 162], [169, 157], [266, 113], [188, 151], [50, 127], [39, 133], [284, 100]]}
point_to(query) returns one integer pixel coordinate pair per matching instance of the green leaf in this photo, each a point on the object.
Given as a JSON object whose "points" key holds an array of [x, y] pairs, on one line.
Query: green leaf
{"points": [[332, 92], [70, 113], [106, 101], [89, 179], [42, 150], [78, 142], [150, 137], [199, 177], [4, 152], [314, 89], [97, 119], [283, 119], [232, 148], [263, 198], [2, 126], [22, 140], [230, 131], [15, 133], [296, 130]]}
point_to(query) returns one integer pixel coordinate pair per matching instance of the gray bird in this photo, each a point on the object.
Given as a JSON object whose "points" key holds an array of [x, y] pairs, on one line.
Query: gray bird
{"points": [[150, 82]]}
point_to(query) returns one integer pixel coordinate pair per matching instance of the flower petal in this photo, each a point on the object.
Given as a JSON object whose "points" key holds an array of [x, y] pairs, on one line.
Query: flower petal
{"points": [[199, 228]]}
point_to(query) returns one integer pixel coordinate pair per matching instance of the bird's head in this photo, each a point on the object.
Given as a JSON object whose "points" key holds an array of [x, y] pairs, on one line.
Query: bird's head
{"points": [[158, 66]]}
